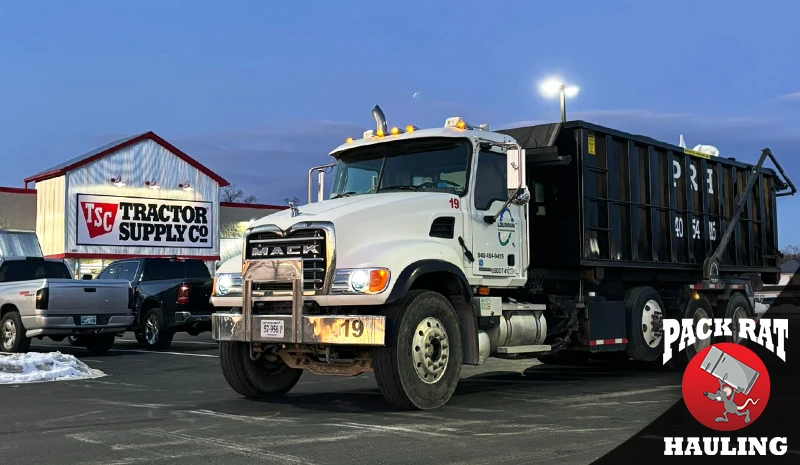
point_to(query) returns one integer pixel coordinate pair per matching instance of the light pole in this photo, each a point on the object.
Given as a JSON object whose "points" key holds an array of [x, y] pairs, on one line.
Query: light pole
{"points": [[551, 87]]}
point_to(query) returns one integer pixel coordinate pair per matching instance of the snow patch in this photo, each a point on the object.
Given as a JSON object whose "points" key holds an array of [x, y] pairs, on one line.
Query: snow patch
{"points": [[43, 367]]}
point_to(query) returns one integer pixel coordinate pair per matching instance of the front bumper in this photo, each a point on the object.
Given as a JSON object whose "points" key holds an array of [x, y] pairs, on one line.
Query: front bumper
{"points": [[65, 325], [295, 328]]}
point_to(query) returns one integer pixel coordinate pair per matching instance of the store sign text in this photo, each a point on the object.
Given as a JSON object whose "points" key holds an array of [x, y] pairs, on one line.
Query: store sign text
{"points": [[126, 221]]}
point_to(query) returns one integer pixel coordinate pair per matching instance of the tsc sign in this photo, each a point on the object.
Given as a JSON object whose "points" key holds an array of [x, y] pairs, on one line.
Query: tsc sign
{"points": [[141, 222]]}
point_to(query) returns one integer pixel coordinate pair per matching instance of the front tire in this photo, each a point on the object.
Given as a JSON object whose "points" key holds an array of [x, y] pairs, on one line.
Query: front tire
{"points": [[255, 378], [420, 365]]}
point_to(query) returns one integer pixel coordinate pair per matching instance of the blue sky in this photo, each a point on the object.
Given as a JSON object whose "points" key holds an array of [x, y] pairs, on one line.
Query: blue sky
{"points": [[261, 91]]}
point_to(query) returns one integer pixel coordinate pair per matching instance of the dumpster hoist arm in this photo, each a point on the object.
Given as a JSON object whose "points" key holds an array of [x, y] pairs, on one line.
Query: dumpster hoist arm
{"points": [[711, 264]]}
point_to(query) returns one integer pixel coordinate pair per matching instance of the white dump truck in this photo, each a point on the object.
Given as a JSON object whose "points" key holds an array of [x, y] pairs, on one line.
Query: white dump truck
{"points": [[442, 247]]}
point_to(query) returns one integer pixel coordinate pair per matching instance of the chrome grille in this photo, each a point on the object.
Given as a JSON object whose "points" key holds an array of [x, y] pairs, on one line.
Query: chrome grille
{"points": [[306, 243]]}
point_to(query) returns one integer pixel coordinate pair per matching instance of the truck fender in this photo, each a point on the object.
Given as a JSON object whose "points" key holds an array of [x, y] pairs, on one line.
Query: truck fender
{"points": [[419, 268]]}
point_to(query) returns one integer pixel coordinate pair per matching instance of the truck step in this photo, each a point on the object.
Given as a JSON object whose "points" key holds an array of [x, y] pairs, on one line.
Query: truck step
{"points": [[524, 349], [522, 307]]}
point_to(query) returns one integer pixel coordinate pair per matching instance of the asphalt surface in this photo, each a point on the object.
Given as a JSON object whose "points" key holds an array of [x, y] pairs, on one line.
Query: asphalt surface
{"points": [[175, 407]]}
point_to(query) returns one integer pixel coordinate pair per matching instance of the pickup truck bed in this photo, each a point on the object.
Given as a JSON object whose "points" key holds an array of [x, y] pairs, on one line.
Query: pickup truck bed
{"points": [[39, 297]]}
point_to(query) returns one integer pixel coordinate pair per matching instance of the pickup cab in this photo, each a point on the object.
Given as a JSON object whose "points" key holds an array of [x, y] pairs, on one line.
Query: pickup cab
{"points": [[40, 298], [169, 295]]}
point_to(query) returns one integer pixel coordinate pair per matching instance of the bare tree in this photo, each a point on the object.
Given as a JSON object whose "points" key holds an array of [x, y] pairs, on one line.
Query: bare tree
{"points": [[232, 194], [232, 231], [790, 252]]}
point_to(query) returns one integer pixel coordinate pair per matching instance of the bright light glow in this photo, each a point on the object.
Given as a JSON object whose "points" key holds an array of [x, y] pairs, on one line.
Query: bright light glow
{"points": [[395, 131], [349, 140], [359, 280], [409, 128], [379, 133], [552, 88]]}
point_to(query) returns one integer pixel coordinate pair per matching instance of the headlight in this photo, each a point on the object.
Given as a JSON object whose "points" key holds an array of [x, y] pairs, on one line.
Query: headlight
{"points": [[228, 284], [361, 281]]}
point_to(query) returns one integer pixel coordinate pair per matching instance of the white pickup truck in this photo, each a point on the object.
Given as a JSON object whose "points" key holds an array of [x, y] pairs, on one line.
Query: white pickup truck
{"points": [[40, 298]]}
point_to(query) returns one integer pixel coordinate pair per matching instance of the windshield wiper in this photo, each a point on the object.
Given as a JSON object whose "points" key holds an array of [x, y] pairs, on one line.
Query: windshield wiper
{"points": [[400, 188], [344, 194]]}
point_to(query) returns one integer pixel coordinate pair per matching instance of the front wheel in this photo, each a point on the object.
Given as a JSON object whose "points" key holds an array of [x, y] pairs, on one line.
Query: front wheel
{"points": [[420, 365], [258, 378]]}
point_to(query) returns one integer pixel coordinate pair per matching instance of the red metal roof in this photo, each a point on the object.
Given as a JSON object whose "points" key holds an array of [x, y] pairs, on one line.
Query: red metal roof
{"points": [[258, 206], [119, 145], [16, 190]]}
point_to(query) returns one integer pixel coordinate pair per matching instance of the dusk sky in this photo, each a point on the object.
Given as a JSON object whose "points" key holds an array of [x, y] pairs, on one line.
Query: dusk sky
{"points": [[260, 91]]}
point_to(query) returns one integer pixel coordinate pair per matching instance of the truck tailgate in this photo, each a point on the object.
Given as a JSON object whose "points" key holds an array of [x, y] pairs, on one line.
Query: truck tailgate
{"points": [[90, 296]]}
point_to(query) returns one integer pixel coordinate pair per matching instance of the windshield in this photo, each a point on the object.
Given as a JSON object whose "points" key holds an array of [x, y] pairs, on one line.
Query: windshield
{"points": [[438, 165]]}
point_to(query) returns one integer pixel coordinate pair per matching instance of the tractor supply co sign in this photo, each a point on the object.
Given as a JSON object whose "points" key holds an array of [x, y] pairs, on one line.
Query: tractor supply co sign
{"points": [[141, 222]]}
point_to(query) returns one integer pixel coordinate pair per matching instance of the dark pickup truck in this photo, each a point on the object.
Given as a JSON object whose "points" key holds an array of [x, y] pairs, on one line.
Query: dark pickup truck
{"points": [[170, 295]]}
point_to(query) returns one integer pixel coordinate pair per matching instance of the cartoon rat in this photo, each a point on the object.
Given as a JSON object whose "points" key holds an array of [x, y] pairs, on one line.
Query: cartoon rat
{"points": [[725, 394]]}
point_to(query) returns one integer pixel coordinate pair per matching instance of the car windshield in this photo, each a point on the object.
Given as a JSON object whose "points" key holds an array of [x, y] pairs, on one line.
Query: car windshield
{"points": [[438, 165]]}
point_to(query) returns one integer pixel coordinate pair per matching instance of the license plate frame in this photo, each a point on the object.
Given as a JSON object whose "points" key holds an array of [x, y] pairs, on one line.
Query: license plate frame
{"points": [[88, 320], [345, 330], [273, 329]]}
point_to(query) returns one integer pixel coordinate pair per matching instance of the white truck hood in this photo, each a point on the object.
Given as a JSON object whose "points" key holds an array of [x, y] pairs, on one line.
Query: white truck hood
{"points": [[367, 226]]}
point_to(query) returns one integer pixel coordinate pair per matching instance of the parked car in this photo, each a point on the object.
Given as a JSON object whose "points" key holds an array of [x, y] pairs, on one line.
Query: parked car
{"points": [[40, 298], [170, 295]]}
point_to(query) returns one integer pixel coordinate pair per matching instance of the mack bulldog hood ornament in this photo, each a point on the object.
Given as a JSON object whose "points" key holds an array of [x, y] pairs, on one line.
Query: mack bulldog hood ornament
{"points": [[292, 203]]}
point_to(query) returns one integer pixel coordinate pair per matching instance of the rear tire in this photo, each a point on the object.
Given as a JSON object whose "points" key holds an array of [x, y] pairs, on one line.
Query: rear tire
{"points": [[157, 335], [255, 378], [98, 344], [738, 308], [694, 310], [12, 334], [420, 365], [645, 313]]}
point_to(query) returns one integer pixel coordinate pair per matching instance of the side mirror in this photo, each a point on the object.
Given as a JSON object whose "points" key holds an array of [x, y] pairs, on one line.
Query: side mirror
{"points": [[515, 176], [522, 198], [87, 277]]}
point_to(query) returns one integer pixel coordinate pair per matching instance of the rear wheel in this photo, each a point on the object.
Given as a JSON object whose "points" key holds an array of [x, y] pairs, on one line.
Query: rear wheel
{"points": [[645, 313], [737, 309], [157, 335], [98, 343], [258, 378], [420, 365], [12, 334], [695, 309]]}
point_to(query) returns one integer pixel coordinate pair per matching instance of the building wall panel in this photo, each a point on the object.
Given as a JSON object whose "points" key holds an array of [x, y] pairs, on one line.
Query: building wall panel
{"points": [[17, 210], [50, 216]]}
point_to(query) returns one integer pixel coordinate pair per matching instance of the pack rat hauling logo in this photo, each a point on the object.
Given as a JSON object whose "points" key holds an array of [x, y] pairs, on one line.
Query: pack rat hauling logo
{"points": [[726, 386]]}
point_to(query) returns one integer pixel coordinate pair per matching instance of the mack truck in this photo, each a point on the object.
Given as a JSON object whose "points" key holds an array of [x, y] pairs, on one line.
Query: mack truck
{"points": [[443, 247]]}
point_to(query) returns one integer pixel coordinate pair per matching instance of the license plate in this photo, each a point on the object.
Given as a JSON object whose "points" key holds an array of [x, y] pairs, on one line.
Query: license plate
{"points": [[88, 320], [272, 328]]}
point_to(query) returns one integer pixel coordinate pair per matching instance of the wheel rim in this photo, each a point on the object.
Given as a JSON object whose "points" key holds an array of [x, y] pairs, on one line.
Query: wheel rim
{"points": [[700, 344], [151, 329], [739, 314], [9, 335], [430, 350], [652, 323]]}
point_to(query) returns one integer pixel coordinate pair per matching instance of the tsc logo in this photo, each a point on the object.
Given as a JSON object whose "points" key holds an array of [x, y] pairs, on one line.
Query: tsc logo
{"points": [[100, 217]]}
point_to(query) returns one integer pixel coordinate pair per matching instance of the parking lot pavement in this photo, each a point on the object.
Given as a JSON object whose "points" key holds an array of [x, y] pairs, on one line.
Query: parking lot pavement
{"points": [[175, 407]]}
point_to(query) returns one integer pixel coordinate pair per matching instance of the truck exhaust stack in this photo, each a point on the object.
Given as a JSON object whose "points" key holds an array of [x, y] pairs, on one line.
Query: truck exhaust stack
{"points": [[380, 119]]}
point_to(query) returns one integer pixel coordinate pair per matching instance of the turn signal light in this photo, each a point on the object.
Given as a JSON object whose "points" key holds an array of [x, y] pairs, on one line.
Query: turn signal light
{"points": [[378, 280], [482, 290]]}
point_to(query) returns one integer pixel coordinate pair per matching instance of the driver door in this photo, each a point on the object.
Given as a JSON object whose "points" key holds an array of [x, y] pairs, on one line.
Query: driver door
{"points": [[498, 248]]}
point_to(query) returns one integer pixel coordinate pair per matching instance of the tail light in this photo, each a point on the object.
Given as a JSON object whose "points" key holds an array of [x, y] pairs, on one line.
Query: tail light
{"points": [[42, 298], [130, 297], [183, 294]]}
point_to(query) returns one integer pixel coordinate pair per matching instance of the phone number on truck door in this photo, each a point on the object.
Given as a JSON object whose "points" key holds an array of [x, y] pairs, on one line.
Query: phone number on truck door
{"points": [[498, 256]]}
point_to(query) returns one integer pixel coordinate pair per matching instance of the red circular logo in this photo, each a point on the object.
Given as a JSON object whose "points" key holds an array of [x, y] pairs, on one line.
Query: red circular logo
{"points": [[726, 386]]}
